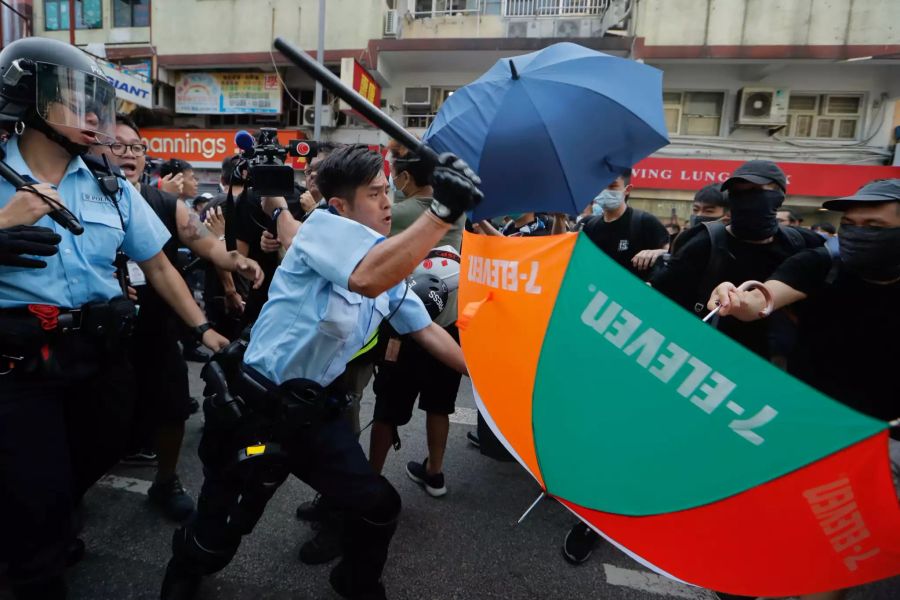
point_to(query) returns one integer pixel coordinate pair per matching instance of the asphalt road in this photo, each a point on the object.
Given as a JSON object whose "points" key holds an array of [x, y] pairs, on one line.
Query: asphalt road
{"points": [[463, 546]]}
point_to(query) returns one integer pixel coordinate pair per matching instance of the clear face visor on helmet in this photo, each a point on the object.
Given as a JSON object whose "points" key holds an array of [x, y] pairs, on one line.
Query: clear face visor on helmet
{"points": [[77, 101]]}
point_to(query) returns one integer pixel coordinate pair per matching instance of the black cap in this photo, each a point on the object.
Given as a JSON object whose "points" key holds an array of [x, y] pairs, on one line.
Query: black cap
{"points": [[882, 190], [760, 172], [712, 194]]}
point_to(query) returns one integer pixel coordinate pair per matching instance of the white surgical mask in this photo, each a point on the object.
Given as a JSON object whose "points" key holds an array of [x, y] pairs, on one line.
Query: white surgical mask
{"points": [[396, 193], [610, 199]]}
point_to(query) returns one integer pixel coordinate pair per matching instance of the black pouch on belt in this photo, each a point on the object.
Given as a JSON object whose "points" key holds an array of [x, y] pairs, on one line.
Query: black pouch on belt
{"points": [[112, 321]]}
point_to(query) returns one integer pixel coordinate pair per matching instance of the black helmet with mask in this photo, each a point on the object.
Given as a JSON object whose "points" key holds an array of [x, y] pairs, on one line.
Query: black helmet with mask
{"points": [[48, 85]]}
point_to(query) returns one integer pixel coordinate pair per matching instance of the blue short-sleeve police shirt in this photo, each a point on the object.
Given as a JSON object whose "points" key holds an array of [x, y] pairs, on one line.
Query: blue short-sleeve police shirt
{"points": [[82, 271], [313, 324]]}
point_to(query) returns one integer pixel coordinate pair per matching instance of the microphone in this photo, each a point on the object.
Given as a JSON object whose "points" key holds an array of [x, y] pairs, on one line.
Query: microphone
{"points": [[60, 214], [243, 140]]}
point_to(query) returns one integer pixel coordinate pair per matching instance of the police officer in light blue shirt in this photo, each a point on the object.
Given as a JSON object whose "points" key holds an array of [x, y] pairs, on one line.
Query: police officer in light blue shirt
{"points": [[338, 281], [65, 386]]}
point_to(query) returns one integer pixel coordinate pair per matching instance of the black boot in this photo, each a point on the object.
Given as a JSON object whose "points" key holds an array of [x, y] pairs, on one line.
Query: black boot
{"points": [[179, 583], [325, 546], [344, 583], [365, 546]]}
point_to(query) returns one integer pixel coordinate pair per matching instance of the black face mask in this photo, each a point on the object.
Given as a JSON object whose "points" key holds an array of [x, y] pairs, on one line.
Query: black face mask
{"points": [[872, 253], [753, 213], [697, 219]]}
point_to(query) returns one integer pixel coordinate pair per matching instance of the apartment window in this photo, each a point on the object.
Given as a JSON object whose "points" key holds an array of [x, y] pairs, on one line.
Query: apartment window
{"points": [[421, 114], [443, 8], [824, 116], [131, 13], [88, 14], [693, 113]]}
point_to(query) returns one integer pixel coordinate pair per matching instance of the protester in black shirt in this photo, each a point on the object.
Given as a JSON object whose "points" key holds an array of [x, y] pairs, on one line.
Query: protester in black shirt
{"points": [[849, 320], [751, 246], [631, 237]]}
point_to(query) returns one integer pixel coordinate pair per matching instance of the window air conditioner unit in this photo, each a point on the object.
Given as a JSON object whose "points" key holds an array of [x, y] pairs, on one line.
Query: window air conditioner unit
{"points": [[762, 106], [417, 96], [391, 23], [329, 118]]}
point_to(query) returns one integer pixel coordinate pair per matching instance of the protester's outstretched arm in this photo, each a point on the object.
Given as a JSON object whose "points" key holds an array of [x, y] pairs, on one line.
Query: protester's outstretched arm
{"points": [[440, 345], [485, 228], [192, 232], [749, 305]]}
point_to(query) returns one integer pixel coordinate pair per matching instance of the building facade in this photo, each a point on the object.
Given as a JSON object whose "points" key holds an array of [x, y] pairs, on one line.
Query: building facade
{"points": [[813, 83]]}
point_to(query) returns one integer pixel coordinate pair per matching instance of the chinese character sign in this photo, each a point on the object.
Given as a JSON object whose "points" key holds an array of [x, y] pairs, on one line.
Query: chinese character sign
{"points": [[227, 93]]}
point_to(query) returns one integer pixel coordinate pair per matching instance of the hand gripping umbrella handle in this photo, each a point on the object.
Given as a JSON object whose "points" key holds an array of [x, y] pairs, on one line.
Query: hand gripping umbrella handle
{"points": [[744, 287], [337, 87]]}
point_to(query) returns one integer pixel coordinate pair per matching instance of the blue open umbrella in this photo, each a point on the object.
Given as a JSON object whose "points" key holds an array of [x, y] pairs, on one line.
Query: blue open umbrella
{"points": [[547, 131]]}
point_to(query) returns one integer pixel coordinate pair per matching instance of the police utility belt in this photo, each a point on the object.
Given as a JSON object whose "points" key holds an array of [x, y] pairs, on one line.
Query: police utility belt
{"points": [[32, 332], [298, 401], [235, 391]]}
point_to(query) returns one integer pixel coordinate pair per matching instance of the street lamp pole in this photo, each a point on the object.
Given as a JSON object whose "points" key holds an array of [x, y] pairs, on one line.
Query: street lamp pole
{"points": [[72, 22], [320, 58]]}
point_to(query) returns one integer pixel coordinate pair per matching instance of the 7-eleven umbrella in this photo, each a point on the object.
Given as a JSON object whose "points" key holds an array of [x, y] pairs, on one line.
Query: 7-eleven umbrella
{"points": [[693, 454]]}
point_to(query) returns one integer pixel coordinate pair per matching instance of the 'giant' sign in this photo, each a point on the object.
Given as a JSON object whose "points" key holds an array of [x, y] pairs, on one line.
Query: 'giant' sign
{"points": [[128, 87]]}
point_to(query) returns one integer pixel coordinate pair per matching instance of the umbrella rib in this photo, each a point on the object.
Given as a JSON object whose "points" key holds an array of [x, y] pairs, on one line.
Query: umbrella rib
{"points": [[555, 150]]}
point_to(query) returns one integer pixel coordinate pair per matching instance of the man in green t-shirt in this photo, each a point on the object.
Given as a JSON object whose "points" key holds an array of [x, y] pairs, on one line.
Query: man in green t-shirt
{"points": [[408, 371]]}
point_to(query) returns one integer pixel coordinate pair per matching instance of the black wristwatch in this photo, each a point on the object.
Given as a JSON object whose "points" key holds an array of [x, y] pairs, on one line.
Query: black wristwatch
{"points": [[277, 212], [200, 329]]}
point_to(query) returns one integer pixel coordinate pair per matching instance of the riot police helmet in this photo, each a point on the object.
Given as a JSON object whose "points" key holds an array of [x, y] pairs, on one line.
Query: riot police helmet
{"points": [[46, 82]]}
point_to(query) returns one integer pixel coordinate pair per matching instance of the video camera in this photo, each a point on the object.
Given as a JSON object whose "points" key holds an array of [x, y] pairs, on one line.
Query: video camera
{"points": [[264, 156], [151, 168]]}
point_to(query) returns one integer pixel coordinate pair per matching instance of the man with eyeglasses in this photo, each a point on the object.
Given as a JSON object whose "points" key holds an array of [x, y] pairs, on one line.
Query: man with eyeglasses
{"points": [[163, 394]]}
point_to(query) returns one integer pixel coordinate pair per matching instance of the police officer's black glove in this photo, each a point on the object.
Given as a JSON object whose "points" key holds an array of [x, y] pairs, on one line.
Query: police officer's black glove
{"points": [[455, 188], [24, 239]]}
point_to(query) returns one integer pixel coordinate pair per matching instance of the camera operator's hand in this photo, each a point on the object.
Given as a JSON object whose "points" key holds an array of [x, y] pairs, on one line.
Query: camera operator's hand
{"points": [[268, 243], [25, 208], [23, 239], [455, 188], [173, 184]]}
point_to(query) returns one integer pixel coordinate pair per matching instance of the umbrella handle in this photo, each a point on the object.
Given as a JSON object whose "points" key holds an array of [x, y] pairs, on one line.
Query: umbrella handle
{"points": [[745, 287]]}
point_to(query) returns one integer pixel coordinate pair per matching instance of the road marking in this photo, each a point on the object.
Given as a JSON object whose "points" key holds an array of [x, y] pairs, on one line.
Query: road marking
{"points": [[464, 416], [128, 484], [653, 583]]}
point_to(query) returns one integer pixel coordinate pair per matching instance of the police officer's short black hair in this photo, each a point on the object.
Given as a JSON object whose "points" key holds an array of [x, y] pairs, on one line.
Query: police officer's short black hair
{"points": [[346, 169], [174, 166], [123, 119]]}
